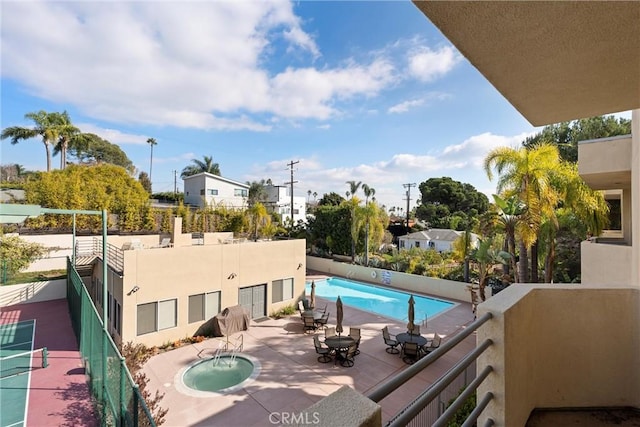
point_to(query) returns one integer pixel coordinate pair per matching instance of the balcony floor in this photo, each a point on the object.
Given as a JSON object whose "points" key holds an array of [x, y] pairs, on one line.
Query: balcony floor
{"points": [[624, 417]]}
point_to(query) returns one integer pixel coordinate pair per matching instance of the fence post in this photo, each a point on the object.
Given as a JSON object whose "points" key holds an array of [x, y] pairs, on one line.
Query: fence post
{"points": [[44, 357], [136, 403], [123, 375]]}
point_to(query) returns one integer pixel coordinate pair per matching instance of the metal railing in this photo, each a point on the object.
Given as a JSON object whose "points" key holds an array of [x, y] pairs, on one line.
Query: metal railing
{"points": [[429, 407], [93, 248]]}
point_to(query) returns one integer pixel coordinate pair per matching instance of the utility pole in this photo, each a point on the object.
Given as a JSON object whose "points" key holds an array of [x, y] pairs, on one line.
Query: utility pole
{"points": [[290, 164], [408, 187], [175, 182]]}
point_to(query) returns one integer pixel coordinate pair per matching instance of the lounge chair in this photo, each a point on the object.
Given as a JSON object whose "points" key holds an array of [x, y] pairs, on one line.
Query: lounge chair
{"points": [[392, 344], [323, 351], [433, 344], [411, 352], [347, 357], [309, 324], [166, 243]]}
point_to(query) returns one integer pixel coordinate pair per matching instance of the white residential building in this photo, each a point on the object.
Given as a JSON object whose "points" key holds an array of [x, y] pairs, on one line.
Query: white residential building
{"points": [[278, 199], [205, 189], [439, 239]]}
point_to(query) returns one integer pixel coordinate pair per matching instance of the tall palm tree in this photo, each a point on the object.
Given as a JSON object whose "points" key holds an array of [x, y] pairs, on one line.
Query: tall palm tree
{"points": [[527, 173], [353, 187], [257, 192], [308, 196], [66, 133], [151, 142], [45, 126], [368, 192], [315, 195], [509, 211], [206, 165]]}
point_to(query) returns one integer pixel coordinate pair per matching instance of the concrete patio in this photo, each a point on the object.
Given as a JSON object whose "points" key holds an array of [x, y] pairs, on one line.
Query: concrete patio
{"points": [[291, 378]]}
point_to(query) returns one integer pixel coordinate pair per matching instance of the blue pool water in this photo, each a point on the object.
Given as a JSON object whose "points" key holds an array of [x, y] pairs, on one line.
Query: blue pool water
{"points": [[383, 301]]}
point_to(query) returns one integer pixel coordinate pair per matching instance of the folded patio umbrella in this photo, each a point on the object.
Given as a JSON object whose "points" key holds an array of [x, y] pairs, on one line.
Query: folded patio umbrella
{"points": [[411, 315], [339, 315], [312, 298]]}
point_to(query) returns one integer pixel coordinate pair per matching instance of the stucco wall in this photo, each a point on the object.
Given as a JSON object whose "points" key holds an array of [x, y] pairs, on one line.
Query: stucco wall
{"points": [[179, 272], [33, 292], [558, 347], [616, 258], [448, 289]]}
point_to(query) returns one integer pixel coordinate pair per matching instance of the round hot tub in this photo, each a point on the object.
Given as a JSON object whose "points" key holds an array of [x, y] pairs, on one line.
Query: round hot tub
{"points": [[222, 374]]}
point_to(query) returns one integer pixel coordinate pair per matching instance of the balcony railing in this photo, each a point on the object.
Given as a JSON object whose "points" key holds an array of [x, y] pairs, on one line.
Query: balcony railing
{"points": [[93, 248], [420, 411]]}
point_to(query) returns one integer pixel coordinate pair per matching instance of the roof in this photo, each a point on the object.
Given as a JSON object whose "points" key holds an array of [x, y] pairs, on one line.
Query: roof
{"points": [[216, 177], [555, 60], [443, 234]]}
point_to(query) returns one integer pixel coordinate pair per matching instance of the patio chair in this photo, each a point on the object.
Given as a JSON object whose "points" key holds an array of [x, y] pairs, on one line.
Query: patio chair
{"points": [[323, 351], [433, 344], [322, 322], [329, 332], [392, 344], [411, 353], [301, 307], [347, 357], [355, 334], [323, 309], [309, 324]]}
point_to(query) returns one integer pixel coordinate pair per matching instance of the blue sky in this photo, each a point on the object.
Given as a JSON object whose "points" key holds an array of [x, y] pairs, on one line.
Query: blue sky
{"points": [[364, 90]]}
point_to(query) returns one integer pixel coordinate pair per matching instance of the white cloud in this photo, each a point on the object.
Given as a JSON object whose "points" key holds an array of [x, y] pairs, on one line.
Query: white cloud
{"points": [[114, 136], [405, 106], [426, 64], [194, 65]]}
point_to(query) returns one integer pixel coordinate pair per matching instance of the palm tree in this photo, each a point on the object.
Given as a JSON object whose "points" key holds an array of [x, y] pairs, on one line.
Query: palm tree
{"points": [[509, 211], [206, 165], [257, 192], [527, 173], [315, 194], [66, 134], [151, 142], [353, 186], [308, 196], [46, 127], [368, 192]]}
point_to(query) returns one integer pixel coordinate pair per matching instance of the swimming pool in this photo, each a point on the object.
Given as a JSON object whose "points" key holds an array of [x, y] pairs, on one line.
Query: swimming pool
{"points": [[386, 302]]}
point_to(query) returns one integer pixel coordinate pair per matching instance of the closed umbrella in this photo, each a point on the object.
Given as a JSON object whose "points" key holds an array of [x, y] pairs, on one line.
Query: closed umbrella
{"points": [[339, 315], [410, 325], [312, 298]]}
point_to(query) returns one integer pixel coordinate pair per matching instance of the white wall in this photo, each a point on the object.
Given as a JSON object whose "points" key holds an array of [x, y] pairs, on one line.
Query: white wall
{"points": [[448, 289], [33, 292]]}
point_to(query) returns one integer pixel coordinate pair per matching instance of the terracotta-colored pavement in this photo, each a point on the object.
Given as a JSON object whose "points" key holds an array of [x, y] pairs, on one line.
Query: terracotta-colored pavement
{"points": [[291, 378], [58, 395]]}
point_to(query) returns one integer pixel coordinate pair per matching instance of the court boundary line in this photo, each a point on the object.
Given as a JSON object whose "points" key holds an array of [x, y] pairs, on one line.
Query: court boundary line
{"points": [[26, 400]]}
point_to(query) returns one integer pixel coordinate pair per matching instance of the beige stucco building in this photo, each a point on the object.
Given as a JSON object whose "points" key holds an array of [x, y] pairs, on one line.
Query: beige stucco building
{"points": [[162, 293]]}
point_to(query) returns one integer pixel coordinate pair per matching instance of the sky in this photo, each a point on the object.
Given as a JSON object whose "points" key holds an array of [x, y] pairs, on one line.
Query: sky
{"points": [[367, 91]]}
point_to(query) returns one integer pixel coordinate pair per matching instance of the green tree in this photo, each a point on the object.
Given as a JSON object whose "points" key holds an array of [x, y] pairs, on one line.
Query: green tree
{"points": [[89, 148], [331, 199], [145, 181], [46, 126], [257, 192], [487, 255], [527, 173], [259, 219], [206, 165], [88, 188], [445, 203], [17, 254], [66, 132], [368, 192]]}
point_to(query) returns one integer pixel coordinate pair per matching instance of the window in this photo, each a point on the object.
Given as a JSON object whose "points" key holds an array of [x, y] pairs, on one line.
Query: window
{"points": [[202, 192], [147, 317], [417, 244], [155, 316], [241, 192], [296, 211], [432, 244], [282, 290], [402, 243], [212, 192], [203, 306]]}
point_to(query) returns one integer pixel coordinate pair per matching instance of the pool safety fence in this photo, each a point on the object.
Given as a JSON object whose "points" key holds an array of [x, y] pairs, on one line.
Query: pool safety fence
{"points": [[119, 400]]}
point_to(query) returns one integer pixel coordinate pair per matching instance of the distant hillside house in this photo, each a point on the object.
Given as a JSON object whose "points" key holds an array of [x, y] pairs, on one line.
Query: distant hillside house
{"points": [[278, 199], [439, 239], [205, 189]]}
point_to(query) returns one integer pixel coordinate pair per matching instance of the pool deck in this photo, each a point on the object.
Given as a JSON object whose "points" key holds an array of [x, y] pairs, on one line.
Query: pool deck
{"points": [[291, 378]]}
